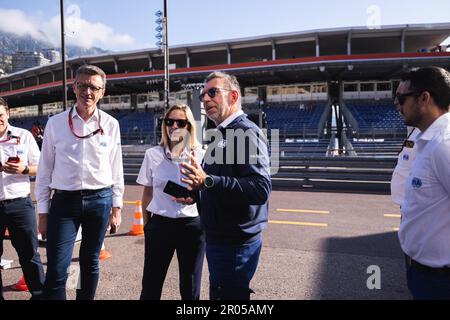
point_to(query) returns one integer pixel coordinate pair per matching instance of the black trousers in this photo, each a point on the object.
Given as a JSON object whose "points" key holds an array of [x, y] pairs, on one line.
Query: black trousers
{"points": [[164, 236], [20, 218]]}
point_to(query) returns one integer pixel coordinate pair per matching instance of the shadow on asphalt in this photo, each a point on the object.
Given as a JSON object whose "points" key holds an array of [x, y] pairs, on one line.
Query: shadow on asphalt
{"points": [[347, 270]]}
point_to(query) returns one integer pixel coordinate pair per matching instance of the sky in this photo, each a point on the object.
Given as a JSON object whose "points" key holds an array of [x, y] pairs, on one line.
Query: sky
{"points": [[122, 25]]}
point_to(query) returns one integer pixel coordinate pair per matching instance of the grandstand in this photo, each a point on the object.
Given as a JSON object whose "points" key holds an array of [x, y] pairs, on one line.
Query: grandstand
{"points": [[375, 128], [373, 115], [136, 127], [328, 92], [295, 119]]}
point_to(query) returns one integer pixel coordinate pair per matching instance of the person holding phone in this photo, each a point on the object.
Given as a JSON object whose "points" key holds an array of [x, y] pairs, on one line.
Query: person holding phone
{"points": [[233, 186], [19, 156], [170, 226]]}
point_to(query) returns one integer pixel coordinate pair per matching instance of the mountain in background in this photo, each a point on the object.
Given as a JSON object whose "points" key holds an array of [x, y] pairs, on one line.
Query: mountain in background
{"points": [[11, 43]]}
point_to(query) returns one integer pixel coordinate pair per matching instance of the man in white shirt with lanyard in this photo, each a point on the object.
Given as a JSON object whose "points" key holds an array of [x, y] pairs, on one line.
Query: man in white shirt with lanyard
{"points": [[423, 98], [19, 156], [81, 162]]}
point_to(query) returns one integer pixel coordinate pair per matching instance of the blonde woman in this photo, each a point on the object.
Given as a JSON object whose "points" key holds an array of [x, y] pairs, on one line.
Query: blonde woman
{"points": [[171, 226]]}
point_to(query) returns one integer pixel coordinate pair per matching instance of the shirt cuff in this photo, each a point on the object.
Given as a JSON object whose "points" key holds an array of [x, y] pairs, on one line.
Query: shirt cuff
{"points": [[117, 202], [42, 207]]}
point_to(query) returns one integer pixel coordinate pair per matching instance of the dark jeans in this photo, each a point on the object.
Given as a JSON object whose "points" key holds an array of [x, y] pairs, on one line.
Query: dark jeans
{"points": [[231, 268], [67, 212], [425, 285], [164, 236], [20, 218]]}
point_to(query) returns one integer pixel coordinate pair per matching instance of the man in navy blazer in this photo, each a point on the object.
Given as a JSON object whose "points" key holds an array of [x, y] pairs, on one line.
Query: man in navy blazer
{"points": [[233, 190]]}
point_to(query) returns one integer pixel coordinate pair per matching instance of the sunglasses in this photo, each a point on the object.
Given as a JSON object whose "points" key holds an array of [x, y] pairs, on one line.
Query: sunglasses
{"points": [[181, 123], [85, 86], [211, 92], [401, 98]]}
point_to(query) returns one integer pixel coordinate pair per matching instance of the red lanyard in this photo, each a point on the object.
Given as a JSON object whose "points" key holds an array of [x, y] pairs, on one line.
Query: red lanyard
{"points": [[9, 136], [88, 135]]}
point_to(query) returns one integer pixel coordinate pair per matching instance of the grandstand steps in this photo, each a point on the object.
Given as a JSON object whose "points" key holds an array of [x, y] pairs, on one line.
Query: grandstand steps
{"points": [[133, 156], [343, 162], [382, 187], [336, 174], [383, 154], [130, 178], [365, 174], [296, 149], [389, 148]]}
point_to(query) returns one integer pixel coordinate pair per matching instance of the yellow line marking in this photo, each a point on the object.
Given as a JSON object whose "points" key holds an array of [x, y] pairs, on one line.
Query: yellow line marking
{"points": [[392, 216], [306, 224], [303, 211], [129, 202]]}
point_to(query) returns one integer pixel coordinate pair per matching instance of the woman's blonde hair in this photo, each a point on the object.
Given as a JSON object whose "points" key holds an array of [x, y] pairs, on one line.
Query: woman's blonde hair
{"points": [[193, 143]]}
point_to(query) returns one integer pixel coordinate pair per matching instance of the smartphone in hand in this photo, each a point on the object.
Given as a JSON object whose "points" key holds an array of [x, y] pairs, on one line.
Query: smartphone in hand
{"points": [[13, 159], [176, 190]]}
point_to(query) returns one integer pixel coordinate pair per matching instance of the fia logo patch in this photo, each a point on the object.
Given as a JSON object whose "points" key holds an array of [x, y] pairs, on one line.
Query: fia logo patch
{"points": [[416, 183]]}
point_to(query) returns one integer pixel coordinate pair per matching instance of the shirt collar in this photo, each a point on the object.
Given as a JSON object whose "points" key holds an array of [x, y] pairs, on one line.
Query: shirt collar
{"points": [[94, 117], [435, 128], [230, 119], [8, 128], [168, 153]]}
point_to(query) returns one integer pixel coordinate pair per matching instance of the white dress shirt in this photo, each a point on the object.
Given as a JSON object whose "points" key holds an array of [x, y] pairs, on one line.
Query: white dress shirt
{"points": [[403, 168], [425, 227], [158, 168], [17, 185], [71, 163]]}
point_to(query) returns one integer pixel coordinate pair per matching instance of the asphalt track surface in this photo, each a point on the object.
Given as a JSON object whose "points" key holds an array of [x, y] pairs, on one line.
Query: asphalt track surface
{"points": [[317, 246]]}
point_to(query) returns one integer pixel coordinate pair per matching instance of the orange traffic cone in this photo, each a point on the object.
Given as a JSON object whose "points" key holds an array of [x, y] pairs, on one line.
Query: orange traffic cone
{"points": [[103, 253], [138, 223], [21, 285]]}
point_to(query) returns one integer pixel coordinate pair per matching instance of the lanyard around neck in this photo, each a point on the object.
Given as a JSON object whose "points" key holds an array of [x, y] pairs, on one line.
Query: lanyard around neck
{"points": [[99, 130], [10, 136], [408, 143]]}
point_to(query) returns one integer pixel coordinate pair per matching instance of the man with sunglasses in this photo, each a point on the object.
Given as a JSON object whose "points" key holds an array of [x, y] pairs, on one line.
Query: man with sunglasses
{"points": [[19, 156], [233, 195], [423, 98], [81, 164]]}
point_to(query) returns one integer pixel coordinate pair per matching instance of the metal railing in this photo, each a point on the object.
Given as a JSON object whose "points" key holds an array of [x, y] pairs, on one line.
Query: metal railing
{"points": [[356, 174]]}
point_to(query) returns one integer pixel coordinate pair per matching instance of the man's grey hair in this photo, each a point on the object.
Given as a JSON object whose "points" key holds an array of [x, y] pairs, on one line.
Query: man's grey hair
{"points": [[230, 80], [4, 104], [91, 70]]}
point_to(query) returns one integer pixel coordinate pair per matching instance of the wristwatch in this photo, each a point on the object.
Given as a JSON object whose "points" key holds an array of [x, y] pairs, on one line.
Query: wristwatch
{"points": [[209, 182], [26, 170]]}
